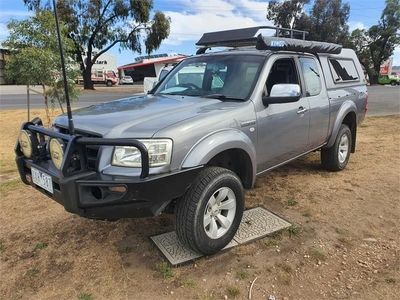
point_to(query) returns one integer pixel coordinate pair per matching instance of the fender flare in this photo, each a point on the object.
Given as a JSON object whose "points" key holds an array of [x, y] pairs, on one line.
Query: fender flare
{"points": [[346, 108], [216, 142]]}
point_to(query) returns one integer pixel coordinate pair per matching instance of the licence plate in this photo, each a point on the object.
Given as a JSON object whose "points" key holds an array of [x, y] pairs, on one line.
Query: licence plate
{"points": [[41, 179]]}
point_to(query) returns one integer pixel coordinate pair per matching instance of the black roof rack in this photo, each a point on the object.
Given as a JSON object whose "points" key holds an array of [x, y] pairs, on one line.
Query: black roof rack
{"points": [[283, 39]]}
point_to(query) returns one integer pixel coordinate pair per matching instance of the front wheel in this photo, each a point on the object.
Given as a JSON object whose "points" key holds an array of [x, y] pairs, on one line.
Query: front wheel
{"points": [[208, 215], [336, 157], [109, 83]]}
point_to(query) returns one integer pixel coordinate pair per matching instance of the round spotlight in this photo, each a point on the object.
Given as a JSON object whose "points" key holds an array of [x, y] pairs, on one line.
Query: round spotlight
{"points": [[28, 142], [57, 152]]}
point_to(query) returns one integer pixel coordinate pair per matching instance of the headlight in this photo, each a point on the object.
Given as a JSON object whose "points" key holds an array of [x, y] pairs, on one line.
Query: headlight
{"points": [[159, 154], [57, 152], [28, 142]]}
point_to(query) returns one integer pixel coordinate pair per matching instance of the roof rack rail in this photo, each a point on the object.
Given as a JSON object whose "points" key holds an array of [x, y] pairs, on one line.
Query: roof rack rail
{"points": [[284, 39]]}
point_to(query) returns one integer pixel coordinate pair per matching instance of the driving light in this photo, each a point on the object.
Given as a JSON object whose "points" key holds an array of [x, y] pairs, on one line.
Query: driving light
{"points": [[57, 152], [159, 154], [28, 142]]}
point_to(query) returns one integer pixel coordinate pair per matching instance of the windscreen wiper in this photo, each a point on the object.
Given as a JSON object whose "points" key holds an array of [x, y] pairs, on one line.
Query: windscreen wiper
{"points": [[222, 97]]}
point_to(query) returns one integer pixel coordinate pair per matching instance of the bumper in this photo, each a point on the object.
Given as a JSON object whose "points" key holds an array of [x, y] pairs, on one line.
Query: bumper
{"points": [[84, 192], [89, 195]]}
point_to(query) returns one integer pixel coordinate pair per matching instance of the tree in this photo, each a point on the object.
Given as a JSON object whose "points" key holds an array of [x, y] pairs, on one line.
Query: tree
{"points": [[375, 45], [326, 21], [35, 58], [285, 14], [97, 26]]}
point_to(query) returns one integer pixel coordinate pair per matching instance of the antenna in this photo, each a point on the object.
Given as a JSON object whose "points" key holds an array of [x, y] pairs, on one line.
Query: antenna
{"points": [[69, 112]]}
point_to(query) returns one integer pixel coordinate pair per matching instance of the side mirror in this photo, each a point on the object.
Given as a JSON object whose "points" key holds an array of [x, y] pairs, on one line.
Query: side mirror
{"points": [[283, 93]]}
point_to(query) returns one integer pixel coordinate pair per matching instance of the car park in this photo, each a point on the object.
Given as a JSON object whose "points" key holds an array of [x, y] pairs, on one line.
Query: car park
{"points": [[202, 135]]}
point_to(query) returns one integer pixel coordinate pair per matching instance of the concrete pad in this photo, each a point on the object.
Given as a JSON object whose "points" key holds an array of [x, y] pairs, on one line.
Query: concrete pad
{"points": [[256, 223]]}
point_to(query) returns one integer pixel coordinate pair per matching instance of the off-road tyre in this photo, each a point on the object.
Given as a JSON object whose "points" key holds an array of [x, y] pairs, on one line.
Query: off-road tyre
{"points": [[336, 157], [194, 209]]}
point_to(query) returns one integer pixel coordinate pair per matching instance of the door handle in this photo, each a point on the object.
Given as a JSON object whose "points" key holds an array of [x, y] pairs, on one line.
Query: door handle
{"points": [[302, 110]]}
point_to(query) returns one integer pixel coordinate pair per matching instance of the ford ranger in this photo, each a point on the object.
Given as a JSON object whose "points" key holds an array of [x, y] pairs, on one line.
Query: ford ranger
{"points": [[194, 143]]}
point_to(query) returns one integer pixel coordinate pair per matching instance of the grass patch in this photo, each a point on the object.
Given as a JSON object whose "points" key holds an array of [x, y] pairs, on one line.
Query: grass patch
{"points": [[292, 202], [2, 246], [234, 291], [85, 297], [189, 282], [284, 278], [40, 246], [164, 270], [285, 267], [242, 274], [125, 250], [9, 185], [270, 242], [318, 255], [391, 280], [32, 272], [339, 230], [293, 230]]}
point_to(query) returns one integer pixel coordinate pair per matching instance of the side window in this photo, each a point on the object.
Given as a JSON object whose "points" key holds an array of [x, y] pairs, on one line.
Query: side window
{"points": [[311, 76], [282, 71], [343, 70]]}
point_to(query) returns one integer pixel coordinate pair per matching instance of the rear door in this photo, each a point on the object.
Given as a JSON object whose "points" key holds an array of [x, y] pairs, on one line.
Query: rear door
{"points": [[318, 101]]}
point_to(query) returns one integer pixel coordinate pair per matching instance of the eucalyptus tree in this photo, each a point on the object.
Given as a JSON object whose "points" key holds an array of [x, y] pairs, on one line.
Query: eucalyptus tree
{"points": [[96, 26], [35, 59]]}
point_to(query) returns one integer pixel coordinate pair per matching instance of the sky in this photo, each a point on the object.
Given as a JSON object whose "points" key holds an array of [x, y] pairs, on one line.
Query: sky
{"points": [[191, 18]]}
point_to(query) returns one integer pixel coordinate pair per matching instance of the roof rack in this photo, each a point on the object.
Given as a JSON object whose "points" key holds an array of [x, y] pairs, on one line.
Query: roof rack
{"points": [[284, 39]]}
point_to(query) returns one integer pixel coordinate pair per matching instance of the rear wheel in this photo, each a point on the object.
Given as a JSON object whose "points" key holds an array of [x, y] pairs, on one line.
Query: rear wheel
{"points": [[208, 215], [336, 157]]}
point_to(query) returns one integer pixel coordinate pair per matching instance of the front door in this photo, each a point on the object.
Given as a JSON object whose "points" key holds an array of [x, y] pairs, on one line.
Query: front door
{"points": [[283, 129]]}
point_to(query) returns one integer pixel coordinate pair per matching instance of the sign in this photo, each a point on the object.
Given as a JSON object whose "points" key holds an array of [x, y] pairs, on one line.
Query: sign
{"points": [[386, 67]]}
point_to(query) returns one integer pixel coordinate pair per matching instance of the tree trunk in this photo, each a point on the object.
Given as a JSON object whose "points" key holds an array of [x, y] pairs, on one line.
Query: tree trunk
{"points": [[46, 105], [87, 78]]}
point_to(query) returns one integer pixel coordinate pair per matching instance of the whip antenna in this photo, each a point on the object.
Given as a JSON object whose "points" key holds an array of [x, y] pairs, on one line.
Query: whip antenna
{"points": [[69, 112]]}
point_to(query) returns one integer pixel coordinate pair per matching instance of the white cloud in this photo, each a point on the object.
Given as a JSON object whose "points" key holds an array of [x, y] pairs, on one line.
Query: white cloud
{"points": [[3, 31], [213, 15], [356, 25]]}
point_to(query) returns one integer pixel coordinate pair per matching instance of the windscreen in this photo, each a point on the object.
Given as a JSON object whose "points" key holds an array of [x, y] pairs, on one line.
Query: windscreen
{"points": [[219, 76]]}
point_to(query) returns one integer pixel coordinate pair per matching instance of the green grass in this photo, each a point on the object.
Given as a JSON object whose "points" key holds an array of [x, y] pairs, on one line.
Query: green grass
{"points": [[291, 202], [293, 230], [85, 297], [40, 246], [189, 282], [234, 291], [9, 185], [339, 231], [125, 250], [318, 255], [391, 280], [2, 246], [164, 270], [242, 274], [32, 272]]}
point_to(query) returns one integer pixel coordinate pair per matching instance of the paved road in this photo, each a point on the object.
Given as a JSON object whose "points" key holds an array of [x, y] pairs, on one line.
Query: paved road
{"points": [[383, 100]]}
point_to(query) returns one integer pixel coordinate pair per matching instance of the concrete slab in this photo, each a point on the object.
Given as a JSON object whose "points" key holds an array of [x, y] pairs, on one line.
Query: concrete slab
{"points": [[256, 223]]}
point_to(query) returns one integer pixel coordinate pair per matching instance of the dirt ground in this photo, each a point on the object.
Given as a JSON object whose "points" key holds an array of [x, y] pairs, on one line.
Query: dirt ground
{"points": [[344, 243]]}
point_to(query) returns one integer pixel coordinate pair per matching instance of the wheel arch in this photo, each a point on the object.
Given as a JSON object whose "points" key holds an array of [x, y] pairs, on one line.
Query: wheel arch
{"points": [[230, 149], [347, 115]]}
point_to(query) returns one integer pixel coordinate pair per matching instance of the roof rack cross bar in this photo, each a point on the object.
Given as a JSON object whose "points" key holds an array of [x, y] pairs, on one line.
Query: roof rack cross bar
{"points": [[283, 39]]}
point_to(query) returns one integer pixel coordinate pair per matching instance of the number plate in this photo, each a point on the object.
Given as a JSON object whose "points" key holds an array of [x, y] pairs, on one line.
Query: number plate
{"points": [[43, 180]]}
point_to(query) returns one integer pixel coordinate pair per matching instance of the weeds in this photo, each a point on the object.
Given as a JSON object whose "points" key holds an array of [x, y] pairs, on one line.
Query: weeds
{"points": [[164, 270], [125, 250], [189, 282], [206, 297], [391, 280], [291, 202], [318, 255], [32, 272], [293, 230], [242, 274], [234, 291], [284, 278], [2, 246], [85, 297], [40, 246], [285, 267]]}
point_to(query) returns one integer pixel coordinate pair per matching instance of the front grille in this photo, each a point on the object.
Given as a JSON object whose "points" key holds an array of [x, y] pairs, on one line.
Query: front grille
{"points": [[91, 151]]}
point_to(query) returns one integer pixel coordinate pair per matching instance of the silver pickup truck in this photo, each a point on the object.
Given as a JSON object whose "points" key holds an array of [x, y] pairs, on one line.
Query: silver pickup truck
{"points": [[202, 135]]}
